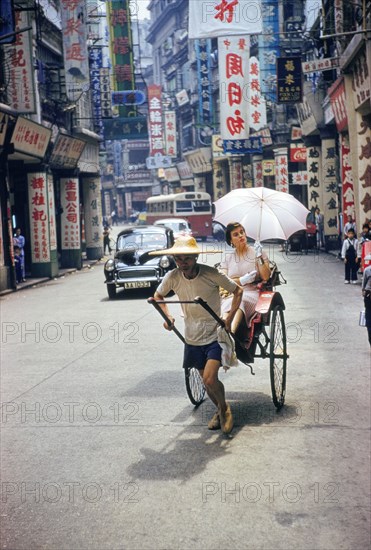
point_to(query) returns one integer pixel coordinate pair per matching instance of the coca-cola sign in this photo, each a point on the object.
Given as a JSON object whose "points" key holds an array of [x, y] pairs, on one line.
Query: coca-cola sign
{"points": [[298, 153]]}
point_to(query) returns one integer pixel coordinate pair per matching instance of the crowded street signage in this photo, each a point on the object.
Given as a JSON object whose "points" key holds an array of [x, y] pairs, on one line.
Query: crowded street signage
{"points": [[100, 89], [66, 152], [205, 103], [70, 219], [347, 180], [39, 217], [243, 146], [299, 178], [30, 138], [314, 178], [257, 113], [224, 18], [265, 135], [170, 134], [330, 186], [233, 83], [75, 48], [289, 80], [364, 165], [155, 128], [361, 80], [20, 85]]}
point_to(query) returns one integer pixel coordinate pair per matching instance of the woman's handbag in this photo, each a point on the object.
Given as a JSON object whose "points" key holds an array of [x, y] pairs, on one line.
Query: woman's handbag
{"points": [[362, 318]]}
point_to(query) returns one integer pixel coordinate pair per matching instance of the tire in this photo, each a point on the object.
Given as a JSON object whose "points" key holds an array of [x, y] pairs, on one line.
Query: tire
{"points": [[111, 291], [195, 386], [278, 357]]}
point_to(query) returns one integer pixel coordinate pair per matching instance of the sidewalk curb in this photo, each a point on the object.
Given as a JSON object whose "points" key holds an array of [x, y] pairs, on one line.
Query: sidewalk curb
{"points": [[30, 283]]}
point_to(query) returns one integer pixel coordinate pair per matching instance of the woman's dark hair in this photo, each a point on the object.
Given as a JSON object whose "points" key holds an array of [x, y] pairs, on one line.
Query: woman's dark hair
{"points": [[231, 227]]}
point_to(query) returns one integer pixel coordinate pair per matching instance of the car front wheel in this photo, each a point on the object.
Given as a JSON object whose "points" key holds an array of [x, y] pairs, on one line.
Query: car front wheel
{"points": [[111, 291]]}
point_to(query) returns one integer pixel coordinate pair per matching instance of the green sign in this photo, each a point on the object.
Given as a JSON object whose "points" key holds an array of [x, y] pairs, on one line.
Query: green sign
{"points": [[134, 127]]}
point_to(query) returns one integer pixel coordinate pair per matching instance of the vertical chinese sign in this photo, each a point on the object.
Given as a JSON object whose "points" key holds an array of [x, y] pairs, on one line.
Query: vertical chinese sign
{"points": [[52, 221], [93, 218], [170, 134], [315, 198], [269, 49], [233, 83], [75, 49], [281, 171], [70, 223], [155, 129], [41, 212], [121, 48], [224, 18], [257, 106], [364, 164], [20, 72], [95, 66], [257, 166], [330, 187], [289, 80], [205, 103]]}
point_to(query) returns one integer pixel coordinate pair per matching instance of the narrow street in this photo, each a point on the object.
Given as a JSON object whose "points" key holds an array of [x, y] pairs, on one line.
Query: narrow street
{"points": [[101, 448]]}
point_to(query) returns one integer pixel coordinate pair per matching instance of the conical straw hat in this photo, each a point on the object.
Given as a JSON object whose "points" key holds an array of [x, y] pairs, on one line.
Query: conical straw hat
{"points": [[183, 245]]}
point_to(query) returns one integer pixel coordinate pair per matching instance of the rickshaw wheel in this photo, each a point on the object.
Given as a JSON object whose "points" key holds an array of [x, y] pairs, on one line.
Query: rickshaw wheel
{"points": [[278, 357], [194, 385]]}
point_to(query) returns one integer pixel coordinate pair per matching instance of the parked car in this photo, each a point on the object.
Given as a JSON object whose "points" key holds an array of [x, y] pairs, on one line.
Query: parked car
{"points": [[179, 226], [131, 266]]}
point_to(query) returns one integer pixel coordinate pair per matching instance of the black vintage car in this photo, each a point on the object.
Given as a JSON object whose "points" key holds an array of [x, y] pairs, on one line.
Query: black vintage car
{"points": [[132, 267]]}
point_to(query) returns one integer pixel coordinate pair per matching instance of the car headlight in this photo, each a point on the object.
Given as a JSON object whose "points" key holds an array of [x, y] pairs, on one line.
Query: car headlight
{"points": [[164, 262], [110, 265]]}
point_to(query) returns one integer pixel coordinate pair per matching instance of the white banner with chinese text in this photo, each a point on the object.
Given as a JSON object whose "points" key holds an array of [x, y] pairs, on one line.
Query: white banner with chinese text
{"points": [[39, 217], [214, 18], [70, 222]]}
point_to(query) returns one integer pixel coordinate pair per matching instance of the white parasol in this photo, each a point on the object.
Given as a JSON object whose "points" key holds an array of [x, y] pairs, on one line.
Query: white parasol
{"points": [[264, 213]]}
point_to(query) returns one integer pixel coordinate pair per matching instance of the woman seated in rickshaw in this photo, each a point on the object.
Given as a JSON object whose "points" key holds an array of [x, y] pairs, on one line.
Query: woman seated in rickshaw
{"points": [[247, 266]]}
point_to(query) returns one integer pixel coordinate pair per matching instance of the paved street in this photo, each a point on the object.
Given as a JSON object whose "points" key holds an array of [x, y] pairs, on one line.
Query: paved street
{"points": [[101, 448]]}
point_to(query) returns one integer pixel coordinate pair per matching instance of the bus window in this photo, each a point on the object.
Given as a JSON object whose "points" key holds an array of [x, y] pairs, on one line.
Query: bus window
{"points": [[184, 206], [201, 206]]}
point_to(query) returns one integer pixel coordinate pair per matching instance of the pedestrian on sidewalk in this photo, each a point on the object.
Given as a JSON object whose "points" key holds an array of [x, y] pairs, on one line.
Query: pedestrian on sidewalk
{"points": [[366, 293], [201, 350], [106, 240], [351, 224], [20, 241], [18, 265], [320, 227], [350, 257]]}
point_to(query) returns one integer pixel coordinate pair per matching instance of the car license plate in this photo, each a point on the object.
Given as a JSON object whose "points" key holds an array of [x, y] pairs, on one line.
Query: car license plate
{"points": [[137, 284]]}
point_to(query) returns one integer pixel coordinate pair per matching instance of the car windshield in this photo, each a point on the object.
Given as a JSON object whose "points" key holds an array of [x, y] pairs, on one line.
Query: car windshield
{"points": [[142, 241]]}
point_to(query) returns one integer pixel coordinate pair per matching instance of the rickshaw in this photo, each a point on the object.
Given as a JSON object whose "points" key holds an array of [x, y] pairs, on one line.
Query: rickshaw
{"points": [[302, 241], [266, 339]]}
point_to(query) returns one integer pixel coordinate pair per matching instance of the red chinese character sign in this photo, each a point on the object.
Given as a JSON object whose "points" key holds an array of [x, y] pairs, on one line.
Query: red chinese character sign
{"points": [[52, 221], [233, 83], [257, 104], [214, 18], [20, 80], [170, 134], [281, 170], [75, 49], [70, 219], [155, 129], [39, 217], [338, 103]]}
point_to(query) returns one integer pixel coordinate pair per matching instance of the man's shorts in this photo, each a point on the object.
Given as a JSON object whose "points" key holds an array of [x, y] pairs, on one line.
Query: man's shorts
{"points": [[197, 356]]}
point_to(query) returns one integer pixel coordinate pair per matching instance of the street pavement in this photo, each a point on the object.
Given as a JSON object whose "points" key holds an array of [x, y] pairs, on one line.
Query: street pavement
{"points": [[101, 448]]}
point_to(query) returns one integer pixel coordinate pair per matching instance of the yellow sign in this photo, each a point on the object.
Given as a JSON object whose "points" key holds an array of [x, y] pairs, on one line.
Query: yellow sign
{"points": [[268, 167]]}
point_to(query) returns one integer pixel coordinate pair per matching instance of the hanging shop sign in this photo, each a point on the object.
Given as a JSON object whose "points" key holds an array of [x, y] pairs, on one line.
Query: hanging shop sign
{"points": [[243, 146], [347, 179], [93, 212], [184, 170], [265, 135], [233, 83], [296, 133], [257, 166], [281, 170], [121, 48], [224, 18], [66, 152], [75, 48], [289, 80], [336, 93], [217, 146], [257, 113], [269, 48], [170, 134], [298, 152], [314, 170], [20, 85], [330, 187], [299, 178], [39, 217], [361, 82], [126, 128], [155, 128], [268, 167], [171, 174], [128, 97], [205, 103], [30, 138], [52, 221], [70, 218], [320, 65]]}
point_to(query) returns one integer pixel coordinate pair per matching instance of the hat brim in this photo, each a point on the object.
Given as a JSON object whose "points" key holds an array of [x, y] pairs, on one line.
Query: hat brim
{"points": [[178, 251]]}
